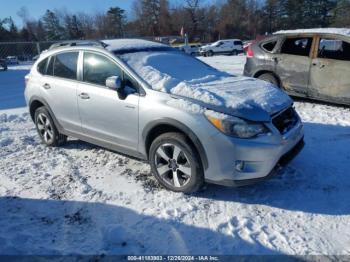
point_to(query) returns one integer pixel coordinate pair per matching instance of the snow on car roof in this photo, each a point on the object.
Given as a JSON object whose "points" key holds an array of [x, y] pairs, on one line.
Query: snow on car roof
{"points": [[337, 31], [125, 44]]}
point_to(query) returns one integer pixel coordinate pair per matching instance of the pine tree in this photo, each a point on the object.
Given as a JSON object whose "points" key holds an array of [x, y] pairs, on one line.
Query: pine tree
{"points": [[52, 27], [341, 14], [73, 27], [115, 22]]}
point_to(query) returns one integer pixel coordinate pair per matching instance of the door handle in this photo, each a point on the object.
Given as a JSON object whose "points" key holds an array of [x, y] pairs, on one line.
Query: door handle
{"points": [[84, 96], [318, 64], [46, 86], [131, 107]]}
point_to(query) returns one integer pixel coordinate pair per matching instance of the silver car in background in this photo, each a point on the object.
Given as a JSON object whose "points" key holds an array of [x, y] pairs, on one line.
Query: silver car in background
{"points": [[193, 123]]}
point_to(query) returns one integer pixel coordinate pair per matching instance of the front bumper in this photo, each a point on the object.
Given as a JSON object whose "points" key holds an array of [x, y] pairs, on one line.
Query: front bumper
{"points": [[261, 157], [284, 161]]}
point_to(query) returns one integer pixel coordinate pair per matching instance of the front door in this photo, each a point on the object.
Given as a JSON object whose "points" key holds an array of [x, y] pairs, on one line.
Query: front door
{"points": [[293, 64], [105, 114], [330, 71]]}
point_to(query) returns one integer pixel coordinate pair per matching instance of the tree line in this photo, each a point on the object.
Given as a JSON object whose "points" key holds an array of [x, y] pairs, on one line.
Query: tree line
{"points": [[202, 21]]}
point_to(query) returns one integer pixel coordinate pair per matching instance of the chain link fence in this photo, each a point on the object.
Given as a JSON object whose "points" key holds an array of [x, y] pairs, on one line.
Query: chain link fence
{"points": [[27, 51], [23, 51]]}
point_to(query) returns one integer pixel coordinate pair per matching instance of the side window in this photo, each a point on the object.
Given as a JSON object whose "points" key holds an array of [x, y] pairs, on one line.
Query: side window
{"points": [[238, 43], [269, 46], [297, 46], [65, 65], [42, 66], [334, 49], [98, 68], [218, 44]]}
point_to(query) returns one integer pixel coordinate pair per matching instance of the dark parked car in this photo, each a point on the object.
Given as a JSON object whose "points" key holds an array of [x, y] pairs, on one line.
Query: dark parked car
{"points": [[3, 64], [313, 63]]}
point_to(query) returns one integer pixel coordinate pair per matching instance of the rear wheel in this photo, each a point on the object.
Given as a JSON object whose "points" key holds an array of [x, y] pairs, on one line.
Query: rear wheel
{"points": [[175, 163], [46, 128], [268, 77], [234, 52]]}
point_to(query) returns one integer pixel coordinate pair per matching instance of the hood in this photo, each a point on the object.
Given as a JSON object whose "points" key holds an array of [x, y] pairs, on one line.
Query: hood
{"points": [[186, 77], [244, 97]]}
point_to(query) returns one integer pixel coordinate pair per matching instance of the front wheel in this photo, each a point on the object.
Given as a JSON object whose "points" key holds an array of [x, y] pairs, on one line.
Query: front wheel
{"points": [[175, 163]]}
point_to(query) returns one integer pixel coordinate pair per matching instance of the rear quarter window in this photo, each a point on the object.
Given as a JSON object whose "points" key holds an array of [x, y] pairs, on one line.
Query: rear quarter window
{"points": [[237, 43], [269, 46], [42, 66]]}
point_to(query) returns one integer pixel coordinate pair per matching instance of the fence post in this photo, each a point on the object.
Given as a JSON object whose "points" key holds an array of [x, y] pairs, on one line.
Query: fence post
{"points": [[38, 48]]}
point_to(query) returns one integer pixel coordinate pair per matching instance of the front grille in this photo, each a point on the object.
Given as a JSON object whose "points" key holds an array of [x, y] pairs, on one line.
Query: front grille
{"points": [[286, 120]]}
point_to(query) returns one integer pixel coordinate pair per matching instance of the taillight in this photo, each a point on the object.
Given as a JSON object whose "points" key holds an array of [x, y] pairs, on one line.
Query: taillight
{"points": [[250, 52]]}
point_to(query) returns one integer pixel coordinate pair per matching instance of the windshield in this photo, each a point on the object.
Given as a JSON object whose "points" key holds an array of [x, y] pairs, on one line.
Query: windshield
{"points": [[165, 69]]}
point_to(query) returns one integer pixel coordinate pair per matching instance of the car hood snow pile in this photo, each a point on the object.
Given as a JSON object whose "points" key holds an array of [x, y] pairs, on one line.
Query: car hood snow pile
{"points": [[186, 77]]}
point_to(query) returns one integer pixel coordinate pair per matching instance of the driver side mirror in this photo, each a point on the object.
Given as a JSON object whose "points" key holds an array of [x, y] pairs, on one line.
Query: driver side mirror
{"points": [[114, 83]]}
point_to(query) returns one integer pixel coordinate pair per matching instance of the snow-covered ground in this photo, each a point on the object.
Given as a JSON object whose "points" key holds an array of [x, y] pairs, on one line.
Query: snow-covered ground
{"points": [[84, 199]]}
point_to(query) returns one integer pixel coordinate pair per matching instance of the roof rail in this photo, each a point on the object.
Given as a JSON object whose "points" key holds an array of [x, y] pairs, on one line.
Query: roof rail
{"points": [[78, 43]]}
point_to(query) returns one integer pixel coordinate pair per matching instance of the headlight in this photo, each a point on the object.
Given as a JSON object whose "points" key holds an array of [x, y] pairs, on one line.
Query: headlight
{"points": [[234, 126]]}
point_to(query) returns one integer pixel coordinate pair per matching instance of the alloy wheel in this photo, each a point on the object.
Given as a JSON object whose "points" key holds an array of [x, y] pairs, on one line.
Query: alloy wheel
{"points": [[45, 128], [172, 164]]}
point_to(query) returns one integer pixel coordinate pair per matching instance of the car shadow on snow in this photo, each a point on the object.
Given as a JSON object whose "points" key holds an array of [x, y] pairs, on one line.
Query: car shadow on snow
{"points": [[50, 227], [316, 181]]}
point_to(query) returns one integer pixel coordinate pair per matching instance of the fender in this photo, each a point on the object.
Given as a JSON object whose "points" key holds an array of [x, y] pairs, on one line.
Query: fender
{"points": [[185, 129], [43, 101]]}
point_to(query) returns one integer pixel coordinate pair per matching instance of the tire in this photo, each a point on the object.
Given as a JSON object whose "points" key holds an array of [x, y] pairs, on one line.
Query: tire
{"points": [[268, 77], [171, 154], [46, 128], [210, 53], [234, 52]]}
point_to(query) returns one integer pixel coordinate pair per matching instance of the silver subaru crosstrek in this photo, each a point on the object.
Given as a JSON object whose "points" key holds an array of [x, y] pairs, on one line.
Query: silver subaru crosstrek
{"points": [[193, 123]]}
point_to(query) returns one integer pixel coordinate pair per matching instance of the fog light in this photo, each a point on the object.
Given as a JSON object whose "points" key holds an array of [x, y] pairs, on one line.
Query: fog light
{"points": [[239, 165]]}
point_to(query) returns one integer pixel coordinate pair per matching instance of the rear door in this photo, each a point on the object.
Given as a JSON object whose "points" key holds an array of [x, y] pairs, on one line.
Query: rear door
{"points": [[330, 71], [293, 64], [59, 87]]}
